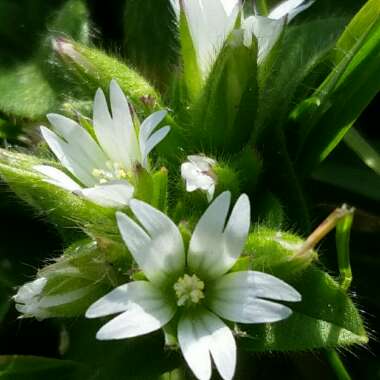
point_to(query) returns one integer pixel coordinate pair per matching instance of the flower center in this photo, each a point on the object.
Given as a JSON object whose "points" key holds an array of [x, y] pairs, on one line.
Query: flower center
{"points": [[115, 171], [189, 290]]}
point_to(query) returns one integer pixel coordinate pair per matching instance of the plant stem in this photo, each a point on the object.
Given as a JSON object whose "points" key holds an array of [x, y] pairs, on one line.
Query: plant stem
{"points": [[343, 230], [335, 219], [261, 7], [337, 365]]}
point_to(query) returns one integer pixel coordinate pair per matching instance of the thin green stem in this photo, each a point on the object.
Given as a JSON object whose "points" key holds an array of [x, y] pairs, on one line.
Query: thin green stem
{"points": [[343, 229], [337, 365], [261, 7]]}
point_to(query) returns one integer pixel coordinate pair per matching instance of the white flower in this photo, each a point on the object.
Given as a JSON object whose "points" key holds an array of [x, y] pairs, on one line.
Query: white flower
{"points": [[211, 21], [197, 173], [196, 287], [100, 167]]}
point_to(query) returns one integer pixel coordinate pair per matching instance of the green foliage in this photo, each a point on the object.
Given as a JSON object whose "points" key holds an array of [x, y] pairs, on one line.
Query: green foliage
{"points": [[269, 125], [345, 93]]}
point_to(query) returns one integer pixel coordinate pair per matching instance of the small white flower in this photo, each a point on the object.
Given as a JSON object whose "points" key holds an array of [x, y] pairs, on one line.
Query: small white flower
{"points": [[197, 173], [100, 167], [195, 286]]}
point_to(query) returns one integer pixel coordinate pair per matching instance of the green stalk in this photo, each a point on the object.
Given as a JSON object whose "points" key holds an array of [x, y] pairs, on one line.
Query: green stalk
{"points": [[343, 229], [337, 365], [261, 7]]}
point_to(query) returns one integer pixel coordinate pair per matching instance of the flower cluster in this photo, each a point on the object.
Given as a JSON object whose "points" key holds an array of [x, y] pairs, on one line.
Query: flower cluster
{"points": [[191, 285]]}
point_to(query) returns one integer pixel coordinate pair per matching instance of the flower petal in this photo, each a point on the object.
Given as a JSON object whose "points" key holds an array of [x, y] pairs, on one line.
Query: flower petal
{"points": [[209, 22], [290, 8], [146, 312], [252, 310], [250, 284], [70, 157], [266, 31], [153, 140], [203, 333], [213, 251], [79, 139], [194, 347], [57, 177], [235, 297], [121, 298], [115, 134], [115, 194], [158, 249], [149, 124]]}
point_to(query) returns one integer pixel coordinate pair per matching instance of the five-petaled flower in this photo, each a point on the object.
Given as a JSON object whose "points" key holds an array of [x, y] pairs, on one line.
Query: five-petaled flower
{"points": [[198, 287], [101, 166], [197, 173]]}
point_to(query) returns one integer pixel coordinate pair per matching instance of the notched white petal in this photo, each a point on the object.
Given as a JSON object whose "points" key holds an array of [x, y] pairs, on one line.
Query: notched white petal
{"points": [[215, 248], [146, 310], [122, 297], [158, 247], [202, 333], [194, 347]]}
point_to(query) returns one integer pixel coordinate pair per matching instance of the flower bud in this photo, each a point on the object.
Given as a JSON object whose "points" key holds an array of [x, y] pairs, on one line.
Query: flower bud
{"points": [[68, 286], [276, 252]]}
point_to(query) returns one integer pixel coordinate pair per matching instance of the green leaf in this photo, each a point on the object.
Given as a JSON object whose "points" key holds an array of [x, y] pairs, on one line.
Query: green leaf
{"points": [[325, 318], [25, 92], [350, 87], [152, 45], [224, 112], [192, 75], [38, 368]]}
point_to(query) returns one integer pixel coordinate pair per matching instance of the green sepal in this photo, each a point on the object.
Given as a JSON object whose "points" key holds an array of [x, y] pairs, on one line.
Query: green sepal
{"points": [[325, 318], [222, 117], [160, 189], [192, 76]]}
